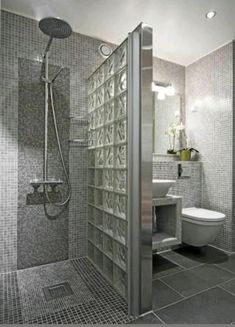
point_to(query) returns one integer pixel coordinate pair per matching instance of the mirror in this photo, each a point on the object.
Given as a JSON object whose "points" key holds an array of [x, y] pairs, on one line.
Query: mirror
{"points": [[167, 124]]}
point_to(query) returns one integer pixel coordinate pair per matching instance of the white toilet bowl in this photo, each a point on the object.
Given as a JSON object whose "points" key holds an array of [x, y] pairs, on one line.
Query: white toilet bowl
{"points": [[200, 226]]}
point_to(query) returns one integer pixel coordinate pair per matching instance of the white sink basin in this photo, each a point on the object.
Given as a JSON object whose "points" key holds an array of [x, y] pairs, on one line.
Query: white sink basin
{"points": [[161, 187]]}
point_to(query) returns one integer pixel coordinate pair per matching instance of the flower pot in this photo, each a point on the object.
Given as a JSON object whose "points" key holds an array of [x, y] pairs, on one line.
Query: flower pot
{"points": [[185, 155]]}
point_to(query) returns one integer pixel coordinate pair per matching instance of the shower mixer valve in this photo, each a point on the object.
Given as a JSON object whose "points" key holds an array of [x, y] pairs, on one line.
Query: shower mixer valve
{"points": [[39, 197]]}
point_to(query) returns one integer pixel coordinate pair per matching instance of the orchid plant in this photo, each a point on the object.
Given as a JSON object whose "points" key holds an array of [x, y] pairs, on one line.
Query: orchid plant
{"points": [[173, 132]]}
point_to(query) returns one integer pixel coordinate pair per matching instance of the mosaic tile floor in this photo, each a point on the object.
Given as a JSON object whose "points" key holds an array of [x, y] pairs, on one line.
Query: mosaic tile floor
{"points": [[93, 299]]}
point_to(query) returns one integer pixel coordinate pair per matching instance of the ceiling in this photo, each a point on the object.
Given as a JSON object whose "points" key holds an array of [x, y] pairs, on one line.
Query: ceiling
{"points": [[182, 34]]}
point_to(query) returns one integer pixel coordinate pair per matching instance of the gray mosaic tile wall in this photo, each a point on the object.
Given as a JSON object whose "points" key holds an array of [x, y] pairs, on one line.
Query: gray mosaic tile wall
{"points": [[169, 72], [209, 93], [21, 38], [189, 188], [233, 183], [31, 221]]}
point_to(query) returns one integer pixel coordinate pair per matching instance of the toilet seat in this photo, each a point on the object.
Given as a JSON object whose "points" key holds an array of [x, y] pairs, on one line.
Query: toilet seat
{"points": [[202, 215]]}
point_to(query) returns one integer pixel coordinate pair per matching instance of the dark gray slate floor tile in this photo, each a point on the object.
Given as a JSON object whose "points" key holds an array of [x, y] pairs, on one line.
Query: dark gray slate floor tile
{"points": [[228, 264], [148, 319], [163, 267], [229, 286], [181, 260], [163, 295], [198, 279], [190, 256], [214, 306]]}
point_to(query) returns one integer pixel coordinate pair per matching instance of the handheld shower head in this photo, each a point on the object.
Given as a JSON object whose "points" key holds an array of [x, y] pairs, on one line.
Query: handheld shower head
{"points": [[55, 27]]}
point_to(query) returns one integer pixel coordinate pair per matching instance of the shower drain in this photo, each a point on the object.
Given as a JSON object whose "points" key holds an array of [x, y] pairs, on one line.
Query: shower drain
{"points": [[57, 291]]}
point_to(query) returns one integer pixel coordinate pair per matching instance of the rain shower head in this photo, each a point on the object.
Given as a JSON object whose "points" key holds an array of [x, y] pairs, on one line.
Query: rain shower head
{"points": [[55, 27]]}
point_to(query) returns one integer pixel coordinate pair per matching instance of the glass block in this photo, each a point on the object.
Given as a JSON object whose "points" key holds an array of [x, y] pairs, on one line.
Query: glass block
{"points": [[99, 158], [120, 131], [120, 181], [108, 223], [120, 205], [98, 215], [121, 56], [100, 97], [91, 177], [91, 120], [109, 112], [91, 233], [99, 137], [99, 238], [108, 201], [108, 154], [98, 258], [91, 251], [121, 80], [109, 135], [119, 281], [99, 117], [91, 138], [109, 66], [120, 158], [91, 102], [99, 178], [108, 179], [91, 214], [98, 198], [120, 230], [100, 76], [109, 90], [121, 106], [99, 218], [91, 84], [120, 255], [108, 246], [91, 158], [108, 268], [91, 195]]}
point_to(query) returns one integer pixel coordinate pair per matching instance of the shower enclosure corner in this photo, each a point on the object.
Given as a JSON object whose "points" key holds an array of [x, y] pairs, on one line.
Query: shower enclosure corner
{"points": [[120, 169]]}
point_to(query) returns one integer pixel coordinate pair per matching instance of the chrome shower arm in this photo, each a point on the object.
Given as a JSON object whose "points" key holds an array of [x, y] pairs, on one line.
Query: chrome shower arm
{"points": [[44, 68], [48, 47]]}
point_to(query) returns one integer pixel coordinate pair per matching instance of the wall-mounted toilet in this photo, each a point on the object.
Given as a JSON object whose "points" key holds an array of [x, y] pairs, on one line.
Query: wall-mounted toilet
{"points": [[200, 226]]}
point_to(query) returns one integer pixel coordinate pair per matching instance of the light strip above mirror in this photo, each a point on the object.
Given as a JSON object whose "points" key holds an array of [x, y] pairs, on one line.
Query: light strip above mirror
{"points": [[163, 89]]}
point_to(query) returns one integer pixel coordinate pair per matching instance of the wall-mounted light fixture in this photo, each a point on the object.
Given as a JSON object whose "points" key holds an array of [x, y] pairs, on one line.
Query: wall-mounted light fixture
{"points": [[163, 89]]}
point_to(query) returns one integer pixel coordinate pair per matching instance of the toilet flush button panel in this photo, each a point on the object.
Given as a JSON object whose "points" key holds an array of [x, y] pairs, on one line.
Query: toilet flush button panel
{"points": [[184, 170]]}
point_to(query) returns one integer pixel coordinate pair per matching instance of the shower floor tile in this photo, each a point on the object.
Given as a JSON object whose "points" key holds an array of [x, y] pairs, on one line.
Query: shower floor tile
{"points": [[33, 281], [93, 299]]}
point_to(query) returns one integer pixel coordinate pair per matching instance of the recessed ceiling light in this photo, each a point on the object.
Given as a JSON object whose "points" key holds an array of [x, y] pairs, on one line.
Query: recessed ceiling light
{"points": [[210, 14]]}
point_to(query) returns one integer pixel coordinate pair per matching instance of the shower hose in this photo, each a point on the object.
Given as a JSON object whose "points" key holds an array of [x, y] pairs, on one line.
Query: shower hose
{"points": [[65, 202]]}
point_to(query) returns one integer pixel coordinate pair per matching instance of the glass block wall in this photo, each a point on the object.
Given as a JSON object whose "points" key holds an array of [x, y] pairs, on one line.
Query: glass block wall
{"points": [[107, 152]]}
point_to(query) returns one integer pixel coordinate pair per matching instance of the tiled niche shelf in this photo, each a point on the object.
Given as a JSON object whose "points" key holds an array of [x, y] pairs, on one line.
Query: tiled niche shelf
{"points": [[107, 168], [168, 222]]}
